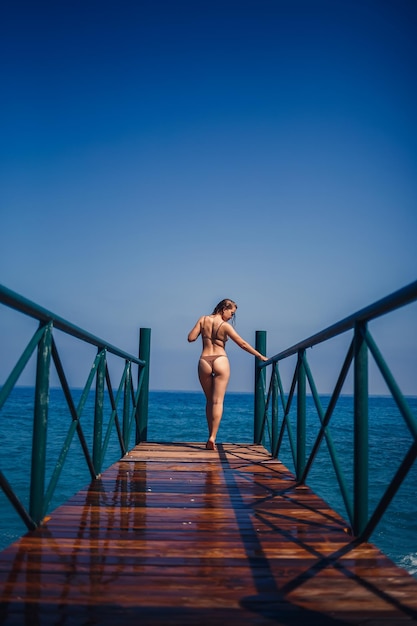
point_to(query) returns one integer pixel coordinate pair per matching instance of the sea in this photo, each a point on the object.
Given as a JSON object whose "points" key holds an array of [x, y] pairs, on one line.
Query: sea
{"points": [[180, 416]]}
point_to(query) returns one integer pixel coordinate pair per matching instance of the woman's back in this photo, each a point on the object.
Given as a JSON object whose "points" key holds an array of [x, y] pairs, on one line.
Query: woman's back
{"points": [[213, 333]]}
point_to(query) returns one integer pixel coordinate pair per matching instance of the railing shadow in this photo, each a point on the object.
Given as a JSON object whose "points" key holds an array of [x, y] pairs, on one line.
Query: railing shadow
{"points": [[270, 600]]}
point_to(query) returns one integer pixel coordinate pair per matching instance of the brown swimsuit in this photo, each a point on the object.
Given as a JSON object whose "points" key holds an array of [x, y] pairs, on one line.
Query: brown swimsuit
{"points": [[214, 338]]}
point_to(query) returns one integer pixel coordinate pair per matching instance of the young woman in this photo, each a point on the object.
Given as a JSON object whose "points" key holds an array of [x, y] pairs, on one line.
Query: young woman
{"points": [[213, 366]]}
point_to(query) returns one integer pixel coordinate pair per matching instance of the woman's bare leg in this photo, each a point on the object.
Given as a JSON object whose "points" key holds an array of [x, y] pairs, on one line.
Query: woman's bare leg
{"points": [[206, 380]]}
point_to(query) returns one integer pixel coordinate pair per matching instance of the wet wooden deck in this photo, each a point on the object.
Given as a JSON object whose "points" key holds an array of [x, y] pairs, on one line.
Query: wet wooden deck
{"points": [[175, 534]]}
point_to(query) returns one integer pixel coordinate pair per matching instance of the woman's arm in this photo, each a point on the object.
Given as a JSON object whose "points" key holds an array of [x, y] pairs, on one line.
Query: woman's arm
{"points": [[194, 333], [242, 343]]}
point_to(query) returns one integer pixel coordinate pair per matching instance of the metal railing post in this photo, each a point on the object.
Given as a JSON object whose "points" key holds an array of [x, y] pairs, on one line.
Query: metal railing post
{"points": [[260, 376], [274, 428], [301, 415], [98, 414], [360, 509], [40, 426], [126, 406], [143, 401]]}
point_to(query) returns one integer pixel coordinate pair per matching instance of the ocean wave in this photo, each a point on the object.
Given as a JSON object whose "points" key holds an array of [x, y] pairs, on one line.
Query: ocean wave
{"points": [[409, 562]]}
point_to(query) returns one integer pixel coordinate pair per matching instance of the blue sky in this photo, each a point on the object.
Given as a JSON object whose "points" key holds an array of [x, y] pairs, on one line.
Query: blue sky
{"points": [[157, 157]]}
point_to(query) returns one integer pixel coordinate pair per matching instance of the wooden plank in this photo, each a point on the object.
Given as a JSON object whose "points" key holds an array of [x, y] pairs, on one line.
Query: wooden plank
{"points": [[176, 534]]}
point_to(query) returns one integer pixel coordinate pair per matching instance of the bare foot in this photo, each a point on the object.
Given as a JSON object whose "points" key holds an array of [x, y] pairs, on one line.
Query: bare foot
{"points": [[210, 445]]}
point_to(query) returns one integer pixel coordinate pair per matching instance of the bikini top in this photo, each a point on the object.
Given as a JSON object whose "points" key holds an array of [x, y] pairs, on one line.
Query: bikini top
{"points": [[213, 337]]}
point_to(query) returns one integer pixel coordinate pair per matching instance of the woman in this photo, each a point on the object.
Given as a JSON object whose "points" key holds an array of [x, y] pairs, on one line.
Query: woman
{"points": [[213, 366]]}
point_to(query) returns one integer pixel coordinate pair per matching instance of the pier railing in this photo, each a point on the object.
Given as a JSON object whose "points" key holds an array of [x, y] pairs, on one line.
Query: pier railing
{"points": [[126, 411], [273, 407]]}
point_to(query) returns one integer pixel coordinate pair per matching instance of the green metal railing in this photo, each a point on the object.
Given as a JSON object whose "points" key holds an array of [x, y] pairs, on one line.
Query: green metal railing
{"points": [[132, 394], [269, 398]]}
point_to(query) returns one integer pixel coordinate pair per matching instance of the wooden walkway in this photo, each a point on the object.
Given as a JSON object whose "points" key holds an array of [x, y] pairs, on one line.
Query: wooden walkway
{"points": [[175, 534]]}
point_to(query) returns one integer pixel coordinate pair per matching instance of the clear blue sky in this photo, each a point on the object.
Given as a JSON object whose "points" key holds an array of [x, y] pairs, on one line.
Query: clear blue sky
{"points": [[157, 157]]}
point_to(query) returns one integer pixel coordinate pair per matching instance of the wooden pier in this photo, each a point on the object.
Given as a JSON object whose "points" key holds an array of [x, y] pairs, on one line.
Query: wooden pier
{"points": [[176, 534]]}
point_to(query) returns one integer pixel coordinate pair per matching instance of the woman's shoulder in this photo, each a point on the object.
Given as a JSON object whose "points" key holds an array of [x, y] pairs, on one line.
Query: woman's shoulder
{"points": [[204, 320], [230, 330]]}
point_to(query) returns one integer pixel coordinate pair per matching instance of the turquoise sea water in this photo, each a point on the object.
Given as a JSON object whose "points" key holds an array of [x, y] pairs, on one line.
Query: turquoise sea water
{"points": [[179, 416]]}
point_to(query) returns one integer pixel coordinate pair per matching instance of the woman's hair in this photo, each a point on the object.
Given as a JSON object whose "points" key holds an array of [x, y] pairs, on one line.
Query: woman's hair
{"points": [[223, 305]]}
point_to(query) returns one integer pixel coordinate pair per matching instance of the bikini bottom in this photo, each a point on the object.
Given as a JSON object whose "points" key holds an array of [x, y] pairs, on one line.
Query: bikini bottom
{"points": [[210, 359]]}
